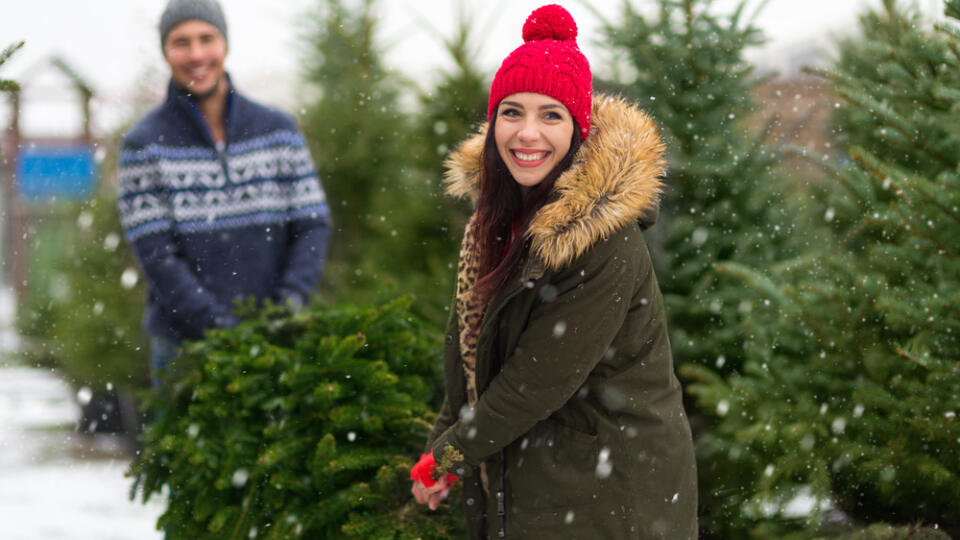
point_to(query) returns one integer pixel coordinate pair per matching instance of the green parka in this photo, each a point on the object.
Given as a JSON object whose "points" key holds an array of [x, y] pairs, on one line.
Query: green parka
{"points": [[579, 421]]}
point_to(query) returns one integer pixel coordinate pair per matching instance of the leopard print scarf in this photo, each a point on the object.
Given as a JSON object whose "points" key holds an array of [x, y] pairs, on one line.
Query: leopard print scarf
{"points": [[469, 316], [469, 309]]}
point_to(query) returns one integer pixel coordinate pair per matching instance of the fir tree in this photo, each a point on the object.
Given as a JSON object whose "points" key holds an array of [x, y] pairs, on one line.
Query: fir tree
{"points": [[431, 228], [381, 165], [453, 108], [298, 426], [685, 64], [355, 124], [851, 384], [355, 128], [84, 305]]}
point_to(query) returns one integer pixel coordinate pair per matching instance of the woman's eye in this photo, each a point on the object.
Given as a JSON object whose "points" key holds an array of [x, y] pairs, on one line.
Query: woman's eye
{"points": [[553, 116], [510, 112]]}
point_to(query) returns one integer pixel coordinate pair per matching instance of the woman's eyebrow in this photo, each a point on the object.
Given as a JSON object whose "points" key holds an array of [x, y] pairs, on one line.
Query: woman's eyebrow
{"points": [[542, 107]]}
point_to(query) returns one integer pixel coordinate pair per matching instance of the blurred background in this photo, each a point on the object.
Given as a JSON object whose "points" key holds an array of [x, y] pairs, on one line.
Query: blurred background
{"points": [[787, 123], [114, 44]]}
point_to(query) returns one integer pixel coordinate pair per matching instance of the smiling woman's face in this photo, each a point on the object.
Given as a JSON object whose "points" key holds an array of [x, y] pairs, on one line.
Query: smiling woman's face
{"points": [[532, 133]]}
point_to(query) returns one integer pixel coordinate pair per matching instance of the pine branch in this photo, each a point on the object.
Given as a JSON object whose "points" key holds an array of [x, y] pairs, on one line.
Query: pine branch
{"points": [[833, 169], [894, 120], [245, 509], [8, 52], [952, 8], [5, 84], [951, 95], [951, 31], [755, 280], [883, 172], [832, 297], [926, 364]]}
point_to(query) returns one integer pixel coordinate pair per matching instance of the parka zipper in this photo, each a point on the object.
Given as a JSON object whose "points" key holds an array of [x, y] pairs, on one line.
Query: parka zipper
{"points": [[527, 274], [501, 498], [501, 494]]}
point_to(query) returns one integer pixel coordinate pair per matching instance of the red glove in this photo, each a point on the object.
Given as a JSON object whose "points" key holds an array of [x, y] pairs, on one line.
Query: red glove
{"points": [[425, 470]]}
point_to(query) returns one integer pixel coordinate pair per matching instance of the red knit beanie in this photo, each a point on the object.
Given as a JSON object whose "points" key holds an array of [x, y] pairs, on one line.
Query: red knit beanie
{"points": [[548, 63]]}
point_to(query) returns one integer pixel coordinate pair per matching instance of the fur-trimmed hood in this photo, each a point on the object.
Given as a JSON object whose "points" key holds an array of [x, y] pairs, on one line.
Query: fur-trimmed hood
{"points": [[616, 178]]}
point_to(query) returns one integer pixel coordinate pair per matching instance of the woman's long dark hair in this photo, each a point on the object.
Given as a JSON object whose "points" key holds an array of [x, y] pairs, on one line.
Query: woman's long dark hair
{"points": [[503, 209]]}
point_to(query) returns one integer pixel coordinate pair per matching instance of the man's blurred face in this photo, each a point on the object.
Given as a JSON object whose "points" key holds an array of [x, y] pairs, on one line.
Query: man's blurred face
{"points": [[195, 51]]}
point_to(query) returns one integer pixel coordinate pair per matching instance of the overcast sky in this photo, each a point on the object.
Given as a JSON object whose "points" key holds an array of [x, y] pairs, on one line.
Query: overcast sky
{"points": [[114, 44]]}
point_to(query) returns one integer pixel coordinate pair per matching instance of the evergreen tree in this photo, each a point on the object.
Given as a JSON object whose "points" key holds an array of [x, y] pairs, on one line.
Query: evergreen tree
{"points": [[452, 110], [355, 128], [298, 426], [85, 301], [448, 112], [685, 64], [355, 124], [850, 388], [381, 165]]}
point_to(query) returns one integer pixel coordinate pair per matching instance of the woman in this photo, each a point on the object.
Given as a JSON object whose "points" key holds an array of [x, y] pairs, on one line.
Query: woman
{"points": [[562, 413]]}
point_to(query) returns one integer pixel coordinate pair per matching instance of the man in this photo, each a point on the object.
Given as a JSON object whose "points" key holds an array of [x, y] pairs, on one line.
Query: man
{"points": [[218, 195]]}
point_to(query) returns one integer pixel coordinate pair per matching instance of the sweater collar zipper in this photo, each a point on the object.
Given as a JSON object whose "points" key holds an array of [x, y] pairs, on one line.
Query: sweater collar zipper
{"points": [[181, 98]]}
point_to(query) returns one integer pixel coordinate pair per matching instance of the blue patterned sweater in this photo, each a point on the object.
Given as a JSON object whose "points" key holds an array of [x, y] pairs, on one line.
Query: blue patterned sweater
{"points": [[208, 225]]}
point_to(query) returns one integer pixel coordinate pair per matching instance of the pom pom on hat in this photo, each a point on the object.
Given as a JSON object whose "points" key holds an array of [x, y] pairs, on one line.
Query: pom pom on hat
{"points": [[549, 22], [549, 63]]}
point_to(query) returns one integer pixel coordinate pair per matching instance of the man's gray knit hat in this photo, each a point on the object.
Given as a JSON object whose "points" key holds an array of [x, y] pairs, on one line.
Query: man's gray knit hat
{"points": [[179, 11]]}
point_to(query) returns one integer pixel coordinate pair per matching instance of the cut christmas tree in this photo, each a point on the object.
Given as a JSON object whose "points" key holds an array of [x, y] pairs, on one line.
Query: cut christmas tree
{"points": [[298, 426]]}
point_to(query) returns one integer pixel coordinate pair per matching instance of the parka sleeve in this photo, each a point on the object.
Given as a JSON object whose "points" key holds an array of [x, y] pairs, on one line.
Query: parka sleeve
{"points": [[453, 394], [563, 341]]}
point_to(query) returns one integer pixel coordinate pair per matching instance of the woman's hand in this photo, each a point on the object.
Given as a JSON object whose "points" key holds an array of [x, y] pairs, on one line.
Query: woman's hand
{"points": [[427, 490], [431, 496]]}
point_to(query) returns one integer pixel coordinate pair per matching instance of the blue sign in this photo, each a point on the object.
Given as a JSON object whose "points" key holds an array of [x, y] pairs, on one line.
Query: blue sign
{"points": [[45, 171]]}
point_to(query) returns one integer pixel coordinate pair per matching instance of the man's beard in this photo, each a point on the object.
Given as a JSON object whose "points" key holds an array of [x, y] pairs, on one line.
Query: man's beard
{"points": [[200, 98]]}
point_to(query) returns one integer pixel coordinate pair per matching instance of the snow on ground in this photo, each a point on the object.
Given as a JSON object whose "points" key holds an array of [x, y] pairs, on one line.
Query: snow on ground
{"points": [[56, 484]]}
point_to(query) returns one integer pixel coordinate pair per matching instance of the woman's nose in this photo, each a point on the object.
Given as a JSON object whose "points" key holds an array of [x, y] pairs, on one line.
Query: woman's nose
{"points": [[529, 131]]}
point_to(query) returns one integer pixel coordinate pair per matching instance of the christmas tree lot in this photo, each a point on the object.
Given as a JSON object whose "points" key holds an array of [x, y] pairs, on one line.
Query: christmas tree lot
{"points": [[849, 391], [814, 320]]}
